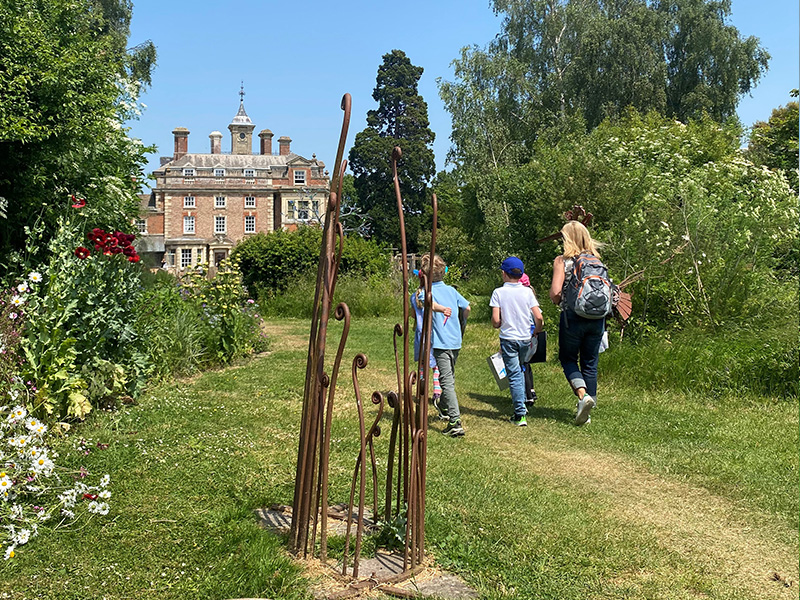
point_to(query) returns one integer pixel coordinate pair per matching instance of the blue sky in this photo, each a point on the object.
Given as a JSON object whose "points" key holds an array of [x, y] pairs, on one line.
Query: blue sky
{"points": [[297, 62]]}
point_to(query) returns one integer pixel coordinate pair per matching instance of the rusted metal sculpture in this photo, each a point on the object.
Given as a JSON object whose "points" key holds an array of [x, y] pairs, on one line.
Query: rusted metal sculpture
{"points": [[311, 480], [407, 452]]}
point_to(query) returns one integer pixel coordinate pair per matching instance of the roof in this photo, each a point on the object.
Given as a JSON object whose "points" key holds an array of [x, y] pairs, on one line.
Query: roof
{"points": [[240, 161]]}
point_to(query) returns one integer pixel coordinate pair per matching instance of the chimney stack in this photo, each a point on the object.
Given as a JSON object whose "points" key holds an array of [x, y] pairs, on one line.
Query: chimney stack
{"points": [[181, 142], [266, 141], [283, 144], [216, 142]]}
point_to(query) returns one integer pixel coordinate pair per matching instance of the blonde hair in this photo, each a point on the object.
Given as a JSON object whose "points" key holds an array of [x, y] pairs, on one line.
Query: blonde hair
{"points": [[577, 240], [438, 266]]}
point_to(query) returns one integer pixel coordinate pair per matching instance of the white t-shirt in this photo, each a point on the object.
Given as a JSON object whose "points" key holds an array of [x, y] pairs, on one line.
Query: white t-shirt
{"points": [[515, 302]]}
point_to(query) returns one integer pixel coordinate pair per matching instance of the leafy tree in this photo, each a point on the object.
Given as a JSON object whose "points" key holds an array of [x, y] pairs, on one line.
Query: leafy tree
{"points": [[774, 143], [401, 119], [67, 84], [564, 64]]}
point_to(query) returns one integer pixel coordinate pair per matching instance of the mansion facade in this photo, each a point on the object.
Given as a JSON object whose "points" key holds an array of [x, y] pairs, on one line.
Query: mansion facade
{"points": [[203, 204]]}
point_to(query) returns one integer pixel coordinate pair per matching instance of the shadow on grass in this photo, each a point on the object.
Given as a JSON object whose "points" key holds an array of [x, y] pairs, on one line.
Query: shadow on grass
{"points": [[501, 405]]}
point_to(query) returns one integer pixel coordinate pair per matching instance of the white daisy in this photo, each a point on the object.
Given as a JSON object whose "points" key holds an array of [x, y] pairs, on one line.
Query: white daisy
{"points": [[35, 277], [17, 300], [93, 507], [22, 287], [68, 513], [105, 494], [9, 553], [102, 508], [105, 480], [32, 424], [16, 512], [22, 537], [5, 483]]}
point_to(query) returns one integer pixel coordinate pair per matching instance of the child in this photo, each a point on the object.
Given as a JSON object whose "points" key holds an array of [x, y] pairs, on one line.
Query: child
{"points": [[530, 393], [418, 304], [446, 341], [512, 308]]}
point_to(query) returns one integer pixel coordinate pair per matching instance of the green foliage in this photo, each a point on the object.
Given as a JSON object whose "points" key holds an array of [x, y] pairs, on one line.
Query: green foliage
{"points": [[67, 84], [710, 230], [377, 296], [775, 143], [573, 63], [273, 262], [401, 119]]}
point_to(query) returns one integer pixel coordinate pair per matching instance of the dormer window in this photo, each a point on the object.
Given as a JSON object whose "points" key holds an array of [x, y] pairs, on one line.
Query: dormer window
{"points": [[299, 177], [188, 172], [249, 173], [219, 174]]}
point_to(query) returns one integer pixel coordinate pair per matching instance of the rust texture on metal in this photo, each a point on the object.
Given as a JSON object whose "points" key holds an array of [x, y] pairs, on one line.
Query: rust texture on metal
{"points": [[406, 470]]}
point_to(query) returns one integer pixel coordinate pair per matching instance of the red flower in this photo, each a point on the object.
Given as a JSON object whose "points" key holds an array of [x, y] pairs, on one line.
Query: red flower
{"points": [[82, 252], [134, 259], [79, 202]]}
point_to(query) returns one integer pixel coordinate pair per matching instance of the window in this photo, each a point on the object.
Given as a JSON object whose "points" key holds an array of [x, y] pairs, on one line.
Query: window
{"points": [[171, 258], [302, 210], [219, 172], [186, 257], [219, 202], [188, 202], [141, 225], [188, 224], [219, 224], [249, 173], [299, 177], [188, 172], [249, 201], [290, 209], [249, 224]]}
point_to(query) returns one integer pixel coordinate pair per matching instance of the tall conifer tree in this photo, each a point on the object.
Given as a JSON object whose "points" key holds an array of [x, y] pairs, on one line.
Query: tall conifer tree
{"points": [[401, 119]]}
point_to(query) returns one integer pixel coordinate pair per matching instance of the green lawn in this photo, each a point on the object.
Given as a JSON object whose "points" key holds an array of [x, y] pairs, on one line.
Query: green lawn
{"points": [[661, 496]]}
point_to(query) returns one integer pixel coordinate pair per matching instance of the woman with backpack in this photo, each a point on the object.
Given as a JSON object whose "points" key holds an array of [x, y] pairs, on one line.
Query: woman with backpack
{"points": [[582, 289]]}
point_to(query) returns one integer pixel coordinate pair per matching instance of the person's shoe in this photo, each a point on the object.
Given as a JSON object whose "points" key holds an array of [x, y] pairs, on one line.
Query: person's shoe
{"points": [[529, 402], [519, 420], [454, 429], [585, 404]]}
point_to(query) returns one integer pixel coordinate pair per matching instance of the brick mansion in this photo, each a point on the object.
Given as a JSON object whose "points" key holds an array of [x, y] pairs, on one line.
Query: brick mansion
{"points": [[203, 204]]}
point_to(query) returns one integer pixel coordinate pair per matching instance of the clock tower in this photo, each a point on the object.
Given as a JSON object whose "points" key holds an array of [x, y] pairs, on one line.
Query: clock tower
{"points": [[241, 129]]}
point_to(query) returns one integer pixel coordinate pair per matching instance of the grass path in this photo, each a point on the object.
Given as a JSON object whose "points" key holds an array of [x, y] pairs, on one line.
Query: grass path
{"points": [[663, 496]]}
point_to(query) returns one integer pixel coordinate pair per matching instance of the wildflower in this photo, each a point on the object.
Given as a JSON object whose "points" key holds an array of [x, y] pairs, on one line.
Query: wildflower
{"points": [[35, 277], [17, 300], [9, 553], [68, 513], [104, 495], [32, 424], [13, 316], [16, 512], [105, 480], [102, 508], [22, 537], [17, 414], [93, 507], [78, 202], [5, 482], [22, 287], [82, 252]]}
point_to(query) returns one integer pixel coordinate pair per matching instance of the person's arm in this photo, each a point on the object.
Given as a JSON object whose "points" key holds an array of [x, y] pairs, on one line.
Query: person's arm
{"points": [[442, 309], [496, 318], [558, 280], [537, 319]]}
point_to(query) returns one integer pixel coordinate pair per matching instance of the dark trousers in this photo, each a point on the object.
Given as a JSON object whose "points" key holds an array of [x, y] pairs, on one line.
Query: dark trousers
{"points": [[579, 349]]}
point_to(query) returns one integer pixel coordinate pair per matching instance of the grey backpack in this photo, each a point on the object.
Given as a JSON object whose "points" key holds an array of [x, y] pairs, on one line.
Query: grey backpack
{"points": [[588, 291]]}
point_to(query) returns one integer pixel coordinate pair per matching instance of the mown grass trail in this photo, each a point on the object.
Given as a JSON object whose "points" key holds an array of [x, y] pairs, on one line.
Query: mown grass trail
{"points": [[661, 496]]}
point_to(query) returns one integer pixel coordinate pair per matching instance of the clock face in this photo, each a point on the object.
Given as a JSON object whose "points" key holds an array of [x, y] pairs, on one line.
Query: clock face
{"points": [[241, 135]]}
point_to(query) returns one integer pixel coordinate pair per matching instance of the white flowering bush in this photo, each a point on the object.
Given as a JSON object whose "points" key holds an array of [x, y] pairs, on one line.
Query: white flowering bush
{"points": [[34, 491]]}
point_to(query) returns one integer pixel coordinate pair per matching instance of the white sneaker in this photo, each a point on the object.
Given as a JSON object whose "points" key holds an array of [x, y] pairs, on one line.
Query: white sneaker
{"points": [[584, 406]]}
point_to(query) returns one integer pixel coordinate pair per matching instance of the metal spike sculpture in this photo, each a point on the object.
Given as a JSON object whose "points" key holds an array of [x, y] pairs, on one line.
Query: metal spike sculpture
{"points": [[407, 462]]}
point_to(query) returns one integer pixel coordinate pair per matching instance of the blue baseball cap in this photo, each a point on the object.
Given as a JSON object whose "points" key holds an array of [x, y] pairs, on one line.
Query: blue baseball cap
{"points": [[513, 266]]}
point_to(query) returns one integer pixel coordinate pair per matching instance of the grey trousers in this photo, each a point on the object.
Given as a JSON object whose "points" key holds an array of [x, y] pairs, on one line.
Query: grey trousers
{"points": [[446, 361]]}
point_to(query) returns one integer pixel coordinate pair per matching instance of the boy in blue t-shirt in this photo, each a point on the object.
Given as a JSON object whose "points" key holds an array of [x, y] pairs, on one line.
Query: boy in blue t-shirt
{"points": [[446, 341]]}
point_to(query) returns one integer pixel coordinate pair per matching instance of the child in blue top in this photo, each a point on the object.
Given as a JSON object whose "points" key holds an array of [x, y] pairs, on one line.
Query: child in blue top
{"points": [[446, 340], [418, 304]]}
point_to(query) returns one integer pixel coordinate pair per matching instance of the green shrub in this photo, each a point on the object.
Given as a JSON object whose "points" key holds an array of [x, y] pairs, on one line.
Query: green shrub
{"points": [[271, 262]]}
